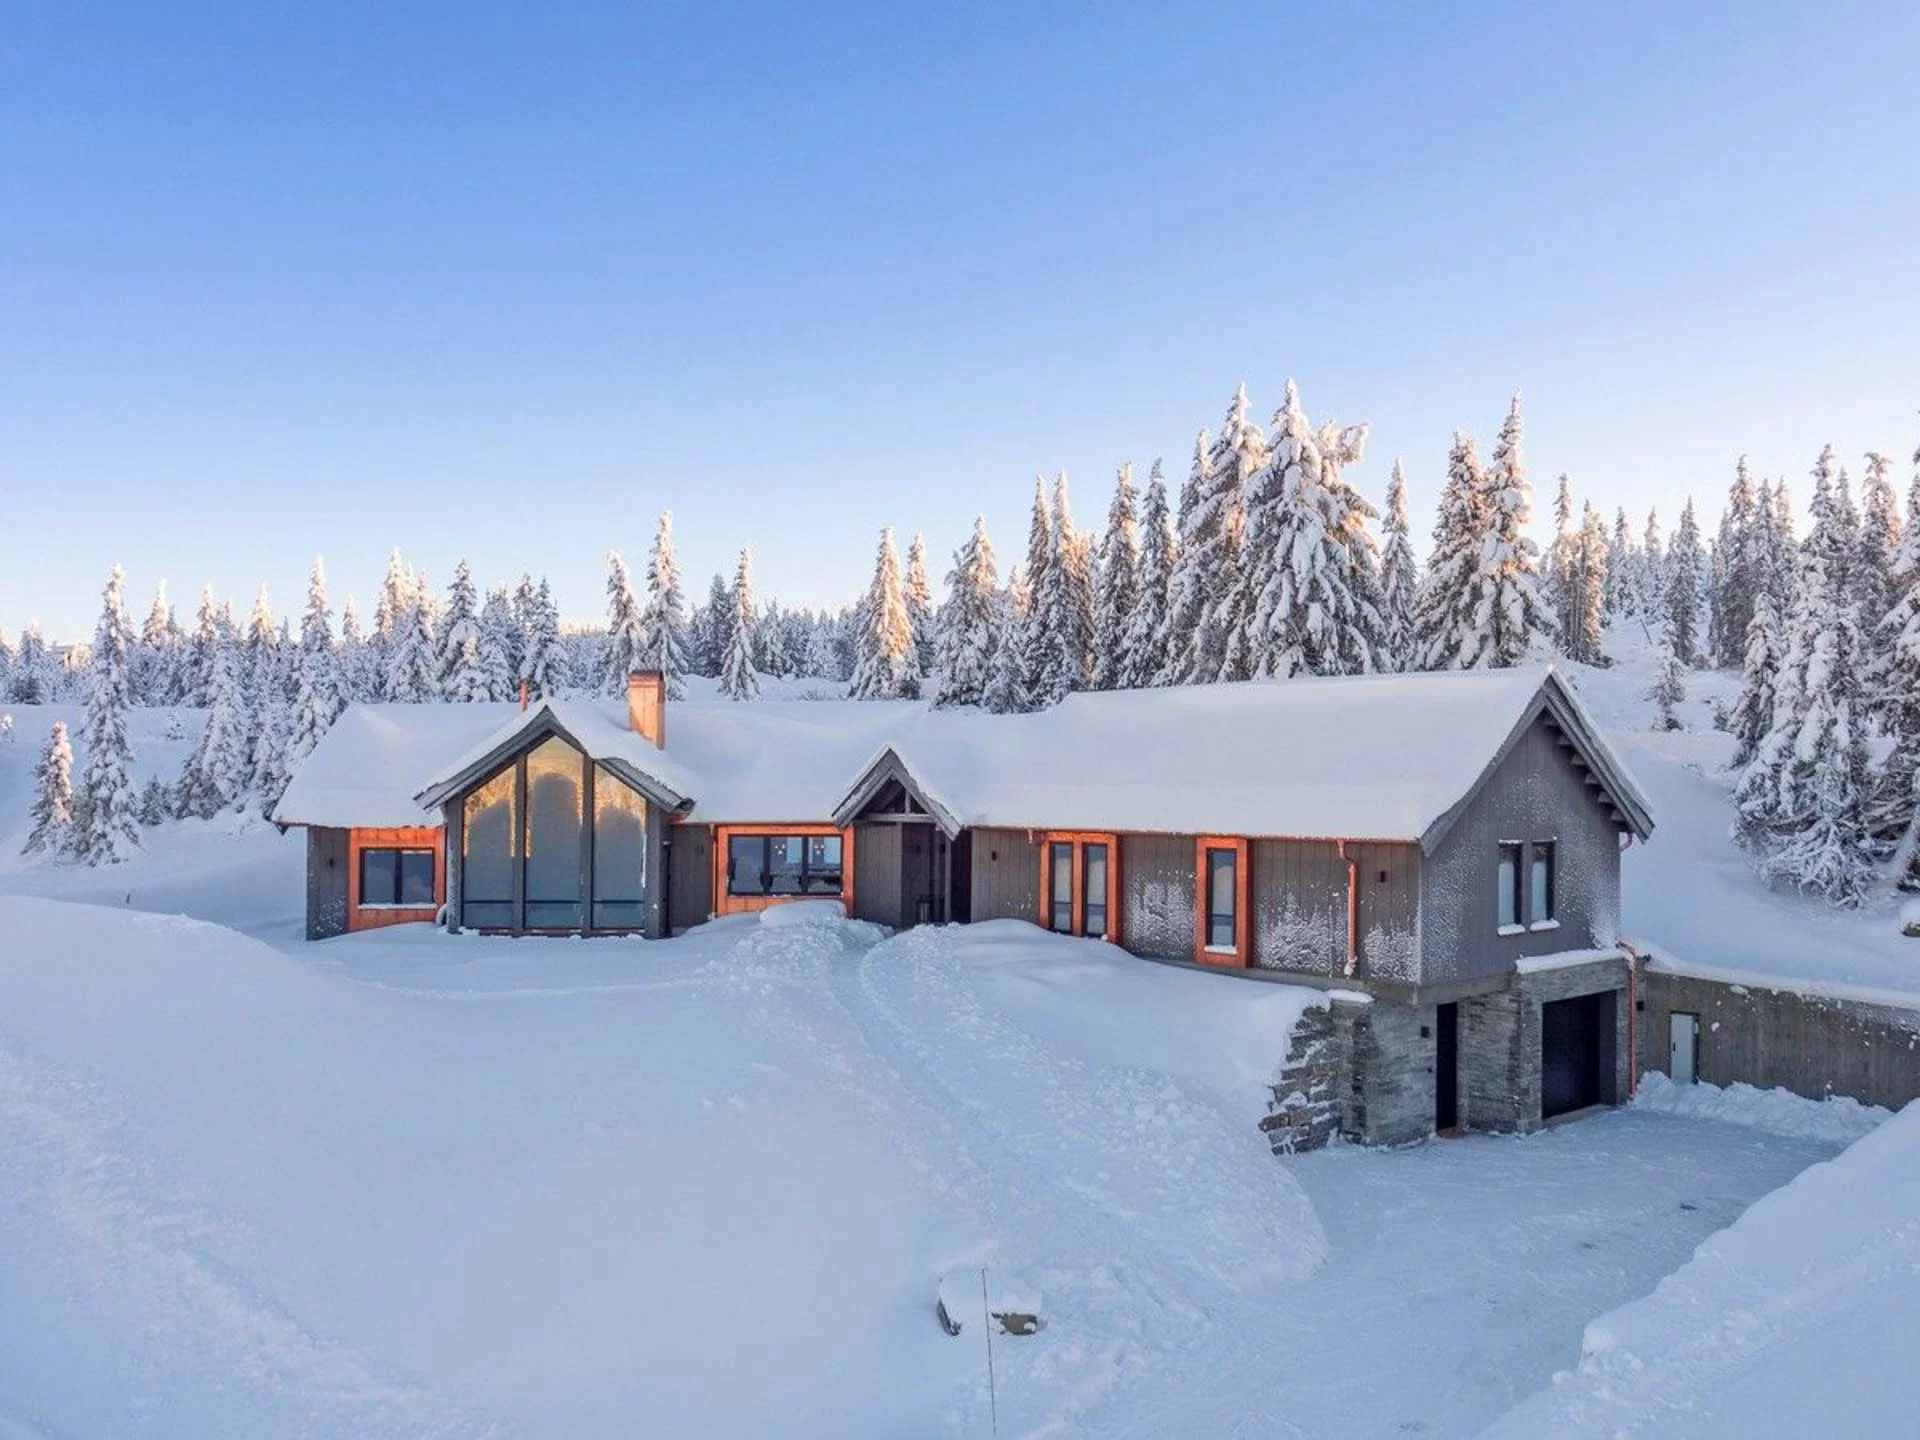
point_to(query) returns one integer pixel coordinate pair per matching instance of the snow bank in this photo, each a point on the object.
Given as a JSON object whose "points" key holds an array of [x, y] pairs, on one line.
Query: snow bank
{"points": [[1789, 1322], [1840, 1119]]}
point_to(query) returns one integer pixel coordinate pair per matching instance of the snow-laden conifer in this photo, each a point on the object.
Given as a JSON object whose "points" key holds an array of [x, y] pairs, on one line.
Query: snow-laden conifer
{"points": [[1143, 642], [1741, 564], [109, 830], [494, 658], [154, 665], [626, 649], [664, 620], [1588, 589], [916, 588], [457, 641], [1220, 647], [739, 679], [1007, 692], [1117, 584], [196, 665], [1668, 691], [543, 665], [1621, 560], [1559, 572], [1399, 576], [1753, 712], [317, 701], [51, 814], [412, 676], [1684, 576], [156, 803], [1062, 613], [1509, 617], [1446, 633], [968, 622], [1201, 525], [883, 640]]}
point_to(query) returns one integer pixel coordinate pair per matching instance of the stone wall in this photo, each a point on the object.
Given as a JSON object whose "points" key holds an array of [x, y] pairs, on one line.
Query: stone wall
{"points": [[1812, 1045], [1500, 1042], [1308, 1092]]}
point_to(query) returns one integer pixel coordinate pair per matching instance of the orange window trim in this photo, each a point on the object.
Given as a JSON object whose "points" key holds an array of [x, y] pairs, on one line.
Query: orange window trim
{"points": [[1080, 839], [725, 904], [1237, 957], [422, 837]]}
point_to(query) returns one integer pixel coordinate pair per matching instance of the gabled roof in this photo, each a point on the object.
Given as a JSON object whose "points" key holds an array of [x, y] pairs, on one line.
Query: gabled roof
{"points": [[588, 728], [1363, 758], [369, 764]]}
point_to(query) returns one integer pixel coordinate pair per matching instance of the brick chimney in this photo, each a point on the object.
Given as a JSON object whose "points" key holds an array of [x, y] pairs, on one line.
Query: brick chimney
{"points": [[647, 705]]}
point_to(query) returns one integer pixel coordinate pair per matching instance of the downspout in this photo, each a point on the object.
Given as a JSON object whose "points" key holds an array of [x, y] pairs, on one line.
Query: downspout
{"points": [[1353, 908]]}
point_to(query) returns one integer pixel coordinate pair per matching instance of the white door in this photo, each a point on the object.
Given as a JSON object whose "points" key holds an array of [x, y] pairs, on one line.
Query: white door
{"points": [[1683, 1038]]}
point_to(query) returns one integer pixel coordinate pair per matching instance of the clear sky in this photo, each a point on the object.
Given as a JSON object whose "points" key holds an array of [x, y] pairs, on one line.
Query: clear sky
{"points": [[504, 281]]}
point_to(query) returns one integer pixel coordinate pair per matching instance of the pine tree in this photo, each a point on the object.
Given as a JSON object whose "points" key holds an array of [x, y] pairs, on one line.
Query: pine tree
{"points": [[968, 622], [739, 680], [106, 797], [1221, 648], [1117, 591], [411, 677], [917, 591], [1753, 712], [1399, 577], [1445, 626], [1143, 641], [317, 701], [1651, 583], [627, 649], [52, 809], [457, 645], [269, 764], [883, 642], [32, 673], [1509, 617], [1621, 561], [1589, 590], [196, 675], [1561, 575], [397, 593], [1007, 685], [718, 630], [493, 662], [153, 678], [1879, 544], [1895, 699], [1061, 633], [1740, 570], [1683, 589], [1040, 552], [1187, 585], [1669, 689], [156, 802], [543, 668], [664, 621]]}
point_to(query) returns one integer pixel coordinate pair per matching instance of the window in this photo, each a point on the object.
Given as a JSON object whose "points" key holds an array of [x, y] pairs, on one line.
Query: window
{"points": [[1076, 882], [1540, 885], [1060, 896], [1222, 899], [554, 827], [1509, 886], [489, 856], [619, 853], [396, 877], [1093, 901], [763, 865], [1220, 884]]}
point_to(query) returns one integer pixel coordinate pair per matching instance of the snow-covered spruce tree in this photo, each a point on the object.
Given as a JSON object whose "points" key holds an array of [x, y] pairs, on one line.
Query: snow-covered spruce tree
{"points": [[397, 594], [196, 664], [1583, 640], [1061, 633], [216, 771], [1558, 574], [1683, 589], [153, 678], [29, 684], [543, 668], [270, 770], [739, 679], [1399, 577], [156, 802], [1117, 588], [1188, 588], [1445, 625], [823, 651], [317, 701], [7, 658], [493, 658], [1668, 691], [1509, 617], [457, 645], [968, 622], [1302, 611], [356, 676], [1621, 560], [106, 799], [1221, 648], [1143, 641], [1650, 582], [1739, 571], [411, 677], [1879, 543], [1753, 712], [1895, 700], [260, 662], [626, 649], [1040, 551], [712, 625], [1007, 683], [52, 808], [883, 635], [1363, 640], [664, 621], [917, 590]]}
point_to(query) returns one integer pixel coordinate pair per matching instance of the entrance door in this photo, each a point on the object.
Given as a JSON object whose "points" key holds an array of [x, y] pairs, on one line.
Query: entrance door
{"points": [[1683, 1048], [1446, 1067]]}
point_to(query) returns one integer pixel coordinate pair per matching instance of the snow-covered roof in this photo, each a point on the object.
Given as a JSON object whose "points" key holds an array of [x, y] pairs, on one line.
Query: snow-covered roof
{"points": [[1376, 758]]}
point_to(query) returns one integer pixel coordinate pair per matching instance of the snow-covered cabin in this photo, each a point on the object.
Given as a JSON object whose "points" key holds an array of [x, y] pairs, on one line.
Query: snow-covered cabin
{"points": [[1424, 839]]}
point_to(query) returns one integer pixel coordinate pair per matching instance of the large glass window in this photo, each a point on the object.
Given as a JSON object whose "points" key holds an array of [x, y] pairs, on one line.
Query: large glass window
{"points": [[488, 854], [1508, 880], [1540, 884], [619, 853], [394, 877], [553, 831], [1223, 875], [784, 865], [1060, 897], [1094, 903]]}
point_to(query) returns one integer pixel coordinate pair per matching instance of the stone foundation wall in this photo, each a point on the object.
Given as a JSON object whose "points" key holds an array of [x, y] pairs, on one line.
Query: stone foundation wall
{"points": [[1305, 1110], [1500, 1042], [1812, 1045]]}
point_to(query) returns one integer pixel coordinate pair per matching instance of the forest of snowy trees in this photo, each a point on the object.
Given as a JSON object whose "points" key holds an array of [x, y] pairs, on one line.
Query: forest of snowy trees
{"points": [[1266, 563]]}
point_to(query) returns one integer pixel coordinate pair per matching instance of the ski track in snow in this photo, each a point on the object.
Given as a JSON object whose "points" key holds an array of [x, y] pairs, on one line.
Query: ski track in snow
{"points": [[139, 1264]]}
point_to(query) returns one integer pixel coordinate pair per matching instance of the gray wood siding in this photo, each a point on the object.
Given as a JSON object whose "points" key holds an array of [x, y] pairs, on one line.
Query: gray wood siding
{"points": [[1535, 793], [876, 874], [690, 886], [1156, 890], [1006, 876], [1299, 902], [1389, 910], [326, 882]]}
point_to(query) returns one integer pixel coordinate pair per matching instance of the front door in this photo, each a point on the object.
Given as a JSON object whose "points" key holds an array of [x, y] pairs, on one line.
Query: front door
{"points": [[1446, 1067], [1683, 1048]]}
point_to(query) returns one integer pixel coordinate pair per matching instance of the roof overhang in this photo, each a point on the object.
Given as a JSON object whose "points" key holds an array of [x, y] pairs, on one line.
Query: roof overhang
{"points": [[537, 725], [890, 767]]}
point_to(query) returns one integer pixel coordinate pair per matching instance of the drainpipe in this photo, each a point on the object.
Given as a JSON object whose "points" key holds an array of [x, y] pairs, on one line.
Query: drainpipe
{"points": [[1353, 908], [1634, 960]]}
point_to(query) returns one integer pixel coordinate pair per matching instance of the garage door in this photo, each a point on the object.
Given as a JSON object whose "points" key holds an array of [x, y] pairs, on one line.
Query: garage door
{"points": [[1576, 1053]]}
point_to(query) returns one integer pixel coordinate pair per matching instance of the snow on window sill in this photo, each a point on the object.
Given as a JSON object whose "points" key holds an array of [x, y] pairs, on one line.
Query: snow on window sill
{"points": [[1511, 930], [422, 905], [1221, 949], [1544, 925]]}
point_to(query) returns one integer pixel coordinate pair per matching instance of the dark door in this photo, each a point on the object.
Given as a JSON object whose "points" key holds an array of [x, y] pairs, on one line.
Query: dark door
{"points": [[1576, 1053], [1446, 1067]]}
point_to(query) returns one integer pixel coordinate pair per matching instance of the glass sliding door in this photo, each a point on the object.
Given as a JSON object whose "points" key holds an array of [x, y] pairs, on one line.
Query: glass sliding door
{"points": [[553, 836]]}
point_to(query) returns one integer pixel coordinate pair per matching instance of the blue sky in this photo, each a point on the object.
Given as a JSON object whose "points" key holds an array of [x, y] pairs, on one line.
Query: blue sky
{"points": [[504, 282]]}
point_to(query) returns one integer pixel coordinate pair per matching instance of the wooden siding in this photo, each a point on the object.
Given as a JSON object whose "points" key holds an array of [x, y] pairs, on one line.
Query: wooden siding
{"points": [[1536, 793], [1157, 890], [877, 889], [423, 837], [1299, 907], [1005, 876], [722, 903], [1387, 919], [326, 882], [690, 886]]}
